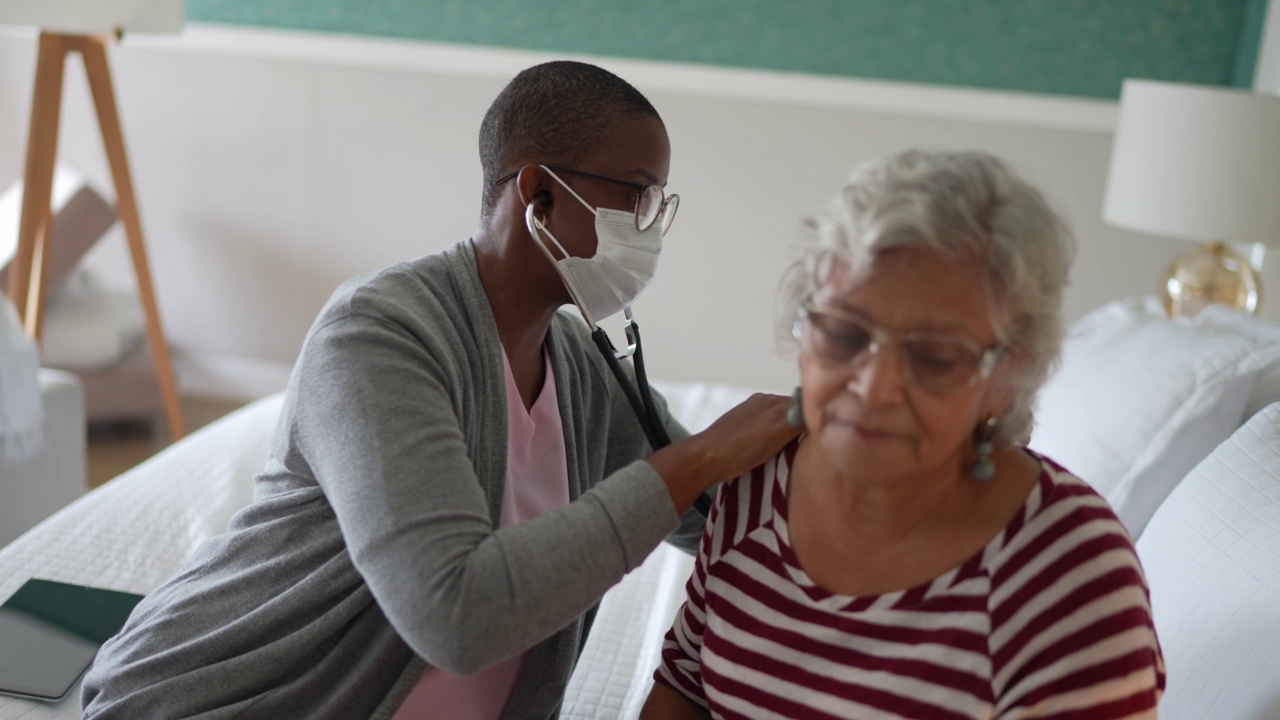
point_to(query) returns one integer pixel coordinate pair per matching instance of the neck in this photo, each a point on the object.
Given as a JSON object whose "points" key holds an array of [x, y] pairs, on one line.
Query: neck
{"points": [[514, 275], [897, 508]]}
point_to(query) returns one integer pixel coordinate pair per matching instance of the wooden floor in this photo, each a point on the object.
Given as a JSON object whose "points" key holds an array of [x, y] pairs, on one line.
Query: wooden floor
{"points": [[113, 449]]}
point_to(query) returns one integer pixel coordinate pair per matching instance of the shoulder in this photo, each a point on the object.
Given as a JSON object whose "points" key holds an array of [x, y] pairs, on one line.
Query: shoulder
{"points": [[750, 500], [1069, 604], [402, 290], [1068, 559], [436, 300], [1068, 504]]}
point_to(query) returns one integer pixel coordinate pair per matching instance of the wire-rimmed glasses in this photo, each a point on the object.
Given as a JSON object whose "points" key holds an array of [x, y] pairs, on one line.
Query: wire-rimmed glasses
{"points": [[653, 205], [937, 362]]}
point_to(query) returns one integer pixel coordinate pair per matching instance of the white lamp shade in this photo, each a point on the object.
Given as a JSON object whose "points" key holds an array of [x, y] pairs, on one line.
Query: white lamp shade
{"points": [[95, 17], [1196, 163]]}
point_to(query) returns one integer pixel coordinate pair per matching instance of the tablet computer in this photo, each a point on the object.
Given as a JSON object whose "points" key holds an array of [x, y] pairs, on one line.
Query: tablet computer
{"points": [[50, 632]]}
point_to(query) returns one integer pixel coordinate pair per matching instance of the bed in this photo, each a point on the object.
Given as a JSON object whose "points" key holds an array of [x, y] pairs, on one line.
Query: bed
{"points": [[1140, 403], [132, 533]]}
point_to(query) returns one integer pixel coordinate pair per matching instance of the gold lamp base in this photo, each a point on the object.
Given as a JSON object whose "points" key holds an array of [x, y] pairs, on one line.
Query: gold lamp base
{"points": [[1212, 273]]}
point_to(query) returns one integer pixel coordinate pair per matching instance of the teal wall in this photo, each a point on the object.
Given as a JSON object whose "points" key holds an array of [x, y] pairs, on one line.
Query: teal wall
{"points": [[1255, 16], [1066, 47]]}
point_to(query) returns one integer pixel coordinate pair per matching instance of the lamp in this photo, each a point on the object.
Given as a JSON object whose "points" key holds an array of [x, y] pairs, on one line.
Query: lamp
{"points": [[83, 26], [1199, 163]]}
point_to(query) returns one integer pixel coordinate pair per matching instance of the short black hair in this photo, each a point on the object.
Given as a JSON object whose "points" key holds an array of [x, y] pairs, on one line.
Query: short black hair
{"points": [[554, 113]]}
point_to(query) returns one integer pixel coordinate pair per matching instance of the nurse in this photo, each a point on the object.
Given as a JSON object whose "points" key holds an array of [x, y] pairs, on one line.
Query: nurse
{"points": [[456, 478]]}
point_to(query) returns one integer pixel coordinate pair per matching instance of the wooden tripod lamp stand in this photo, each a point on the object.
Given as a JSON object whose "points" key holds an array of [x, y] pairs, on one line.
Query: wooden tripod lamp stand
{"points": [[84, 26]]}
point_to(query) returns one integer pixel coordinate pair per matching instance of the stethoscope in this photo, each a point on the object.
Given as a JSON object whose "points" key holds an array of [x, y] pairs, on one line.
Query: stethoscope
{"points": [[639, 396]]}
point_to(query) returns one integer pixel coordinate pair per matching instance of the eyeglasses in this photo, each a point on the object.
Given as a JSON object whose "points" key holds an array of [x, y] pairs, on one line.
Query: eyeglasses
{"points": [[653, 205], [938, 363]]}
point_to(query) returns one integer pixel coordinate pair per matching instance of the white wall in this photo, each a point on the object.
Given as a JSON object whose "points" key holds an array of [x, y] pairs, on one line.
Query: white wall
{"points": [[1266, 76], [270, 166]]}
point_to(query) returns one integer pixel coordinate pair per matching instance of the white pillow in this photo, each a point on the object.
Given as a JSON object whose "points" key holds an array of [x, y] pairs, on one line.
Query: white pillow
{"points": [[1140, 399], [697, 405], [1266, 389], [1212, 559]]}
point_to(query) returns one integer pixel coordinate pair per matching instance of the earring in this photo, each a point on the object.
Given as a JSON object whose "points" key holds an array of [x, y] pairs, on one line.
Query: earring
{"points": [[983, 468], [795, 413]]}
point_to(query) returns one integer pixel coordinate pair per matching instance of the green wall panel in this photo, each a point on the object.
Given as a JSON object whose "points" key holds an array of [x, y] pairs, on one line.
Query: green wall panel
{"points": [[1067, 47], [1250, 43]]}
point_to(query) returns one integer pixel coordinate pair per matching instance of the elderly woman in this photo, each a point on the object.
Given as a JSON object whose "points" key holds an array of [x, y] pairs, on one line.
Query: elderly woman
{"points": [[907, 556]]}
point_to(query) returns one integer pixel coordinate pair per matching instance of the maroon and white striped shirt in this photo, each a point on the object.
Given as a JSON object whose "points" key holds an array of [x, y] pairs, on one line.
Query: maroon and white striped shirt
{"points": [[1052, 619]]}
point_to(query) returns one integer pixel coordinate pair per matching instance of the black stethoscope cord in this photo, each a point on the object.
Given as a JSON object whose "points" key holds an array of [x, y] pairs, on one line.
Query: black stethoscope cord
{"points": [[640, 397]]}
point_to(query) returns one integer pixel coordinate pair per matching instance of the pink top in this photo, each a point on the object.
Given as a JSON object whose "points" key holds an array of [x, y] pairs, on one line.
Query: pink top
{"points": [[537, 483]]}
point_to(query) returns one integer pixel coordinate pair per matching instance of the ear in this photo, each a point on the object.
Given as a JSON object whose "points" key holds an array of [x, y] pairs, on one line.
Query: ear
{"points": [[532, 184], [999, 396]]}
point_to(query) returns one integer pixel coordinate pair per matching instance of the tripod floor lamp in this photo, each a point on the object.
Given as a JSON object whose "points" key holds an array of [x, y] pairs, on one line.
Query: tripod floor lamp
{"points": [[85, 27]]}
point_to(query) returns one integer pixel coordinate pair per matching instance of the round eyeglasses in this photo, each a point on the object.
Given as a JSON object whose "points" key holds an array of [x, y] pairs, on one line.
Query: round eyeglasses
{"points": [[937, 362], [653, 205]]}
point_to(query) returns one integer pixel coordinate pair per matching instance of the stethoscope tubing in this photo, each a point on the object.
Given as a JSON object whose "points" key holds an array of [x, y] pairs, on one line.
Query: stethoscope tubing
{"points": [[641, 397]]}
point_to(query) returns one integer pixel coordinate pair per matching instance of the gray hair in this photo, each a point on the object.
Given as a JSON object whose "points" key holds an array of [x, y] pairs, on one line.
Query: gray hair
{"points": [[969, 205]]}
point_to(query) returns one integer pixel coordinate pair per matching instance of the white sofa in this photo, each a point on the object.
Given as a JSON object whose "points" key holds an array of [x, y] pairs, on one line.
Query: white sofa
{"points": [[55, 476]]}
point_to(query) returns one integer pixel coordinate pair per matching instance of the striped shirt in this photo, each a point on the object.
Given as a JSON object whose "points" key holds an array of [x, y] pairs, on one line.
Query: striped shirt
{"points": [[1051, 619]]}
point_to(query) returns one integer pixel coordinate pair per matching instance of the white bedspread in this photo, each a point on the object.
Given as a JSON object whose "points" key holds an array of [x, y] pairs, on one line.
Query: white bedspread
{"points": [[136, 531]]}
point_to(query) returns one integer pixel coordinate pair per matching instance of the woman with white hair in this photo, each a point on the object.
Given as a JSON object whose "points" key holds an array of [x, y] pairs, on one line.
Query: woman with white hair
{"points": [[907, 556]]}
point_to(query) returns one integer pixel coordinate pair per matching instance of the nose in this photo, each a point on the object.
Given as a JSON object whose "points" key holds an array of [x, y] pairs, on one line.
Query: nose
{"points": [[877, 375]]}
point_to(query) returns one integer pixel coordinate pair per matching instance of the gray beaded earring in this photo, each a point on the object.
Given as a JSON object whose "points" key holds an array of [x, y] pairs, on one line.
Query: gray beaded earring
{"points": [[983, 468], [795, 413]]}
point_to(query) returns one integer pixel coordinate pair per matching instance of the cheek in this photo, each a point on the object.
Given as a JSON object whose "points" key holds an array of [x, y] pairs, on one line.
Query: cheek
{"points": [[576, 231], [583, 241], [818, 385], [947, 426]]}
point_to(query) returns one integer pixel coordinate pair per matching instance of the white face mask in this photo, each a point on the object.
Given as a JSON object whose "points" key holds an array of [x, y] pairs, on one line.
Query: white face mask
{"points": [[623, 265]]}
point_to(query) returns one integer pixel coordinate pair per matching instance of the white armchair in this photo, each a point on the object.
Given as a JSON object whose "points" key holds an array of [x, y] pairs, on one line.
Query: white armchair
{"points": [[32, 490]]}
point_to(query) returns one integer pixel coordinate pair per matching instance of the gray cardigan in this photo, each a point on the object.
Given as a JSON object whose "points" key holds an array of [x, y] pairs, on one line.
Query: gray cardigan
{"points": [[370, 549]]}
